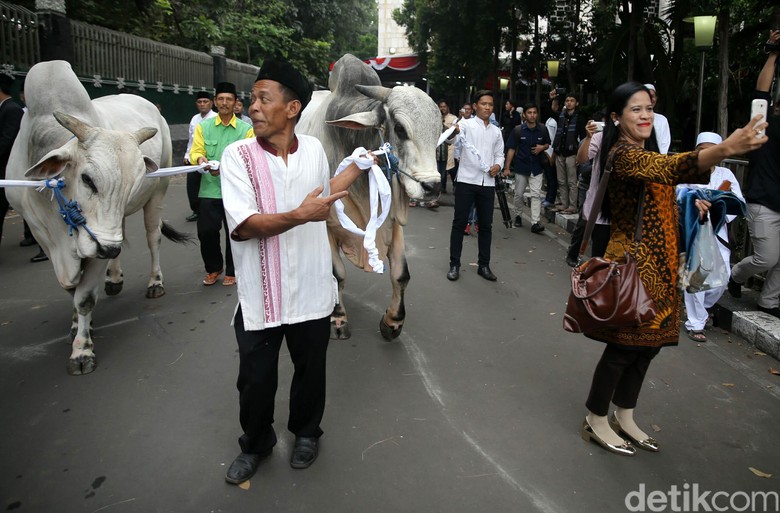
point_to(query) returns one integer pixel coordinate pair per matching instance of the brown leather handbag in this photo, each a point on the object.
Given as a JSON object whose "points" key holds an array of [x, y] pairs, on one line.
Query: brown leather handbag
{"points": [[606, 294]]}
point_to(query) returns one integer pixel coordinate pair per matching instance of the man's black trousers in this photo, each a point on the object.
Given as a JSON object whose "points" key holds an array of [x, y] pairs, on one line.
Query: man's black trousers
{"points": [[483, 198], [258, 376]]}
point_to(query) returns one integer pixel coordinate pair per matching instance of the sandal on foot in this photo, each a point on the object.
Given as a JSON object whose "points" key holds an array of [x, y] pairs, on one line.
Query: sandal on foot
{"points": [[697, 335]]}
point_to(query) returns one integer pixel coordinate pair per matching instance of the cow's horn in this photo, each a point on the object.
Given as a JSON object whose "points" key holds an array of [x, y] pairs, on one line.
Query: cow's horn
{"points": [[144, 134], [379, 93], [74, 125]]}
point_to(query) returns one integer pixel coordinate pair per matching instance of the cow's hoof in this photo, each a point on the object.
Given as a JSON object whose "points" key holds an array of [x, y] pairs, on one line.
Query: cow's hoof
{"points": [[340, 331], [155, 291], [82, 365], [388, 332], [112, 289]]}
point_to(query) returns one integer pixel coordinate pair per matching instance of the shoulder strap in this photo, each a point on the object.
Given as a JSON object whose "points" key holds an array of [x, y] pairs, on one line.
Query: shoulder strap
{"points": [[596, 208]]}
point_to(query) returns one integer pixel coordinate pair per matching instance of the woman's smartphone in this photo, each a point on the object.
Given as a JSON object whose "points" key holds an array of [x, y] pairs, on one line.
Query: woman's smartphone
{"points": [[758, 107]]}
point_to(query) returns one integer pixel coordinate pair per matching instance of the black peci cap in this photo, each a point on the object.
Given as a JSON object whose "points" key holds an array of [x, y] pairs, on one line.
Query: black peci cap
{"points": [[283, 72]]}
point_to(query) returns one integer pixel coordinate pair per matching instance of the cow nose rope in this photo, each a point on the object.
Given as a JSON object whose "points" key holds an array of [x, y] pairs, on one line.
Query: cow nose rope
{"points": [[392, 161], [69, 209]]}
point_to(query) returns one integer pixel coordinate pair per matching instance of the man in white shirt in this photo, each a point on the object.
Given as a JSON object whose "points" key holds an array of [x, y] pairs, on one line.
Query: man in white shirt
{"points": [[481, 158], [697, 304], [277, 193], [660, 124], [203, 103]]}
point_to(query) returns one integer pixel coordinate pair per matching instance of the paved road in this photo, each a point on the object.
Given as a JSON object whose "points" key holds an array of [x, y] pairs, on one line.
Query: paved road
{"points": [[476, 407]]}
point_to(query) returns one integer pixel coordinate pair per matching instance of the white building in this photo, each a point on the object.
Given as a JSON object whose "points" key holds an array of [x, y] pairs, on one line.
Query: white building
{"points": [[391, 37]]}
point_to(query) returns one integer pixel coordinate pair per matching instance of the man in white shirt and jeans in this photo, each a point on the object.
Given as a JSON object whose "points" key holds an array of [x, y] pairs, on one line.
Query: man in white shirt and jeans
{"points": [[481, 157], [277, 193]]}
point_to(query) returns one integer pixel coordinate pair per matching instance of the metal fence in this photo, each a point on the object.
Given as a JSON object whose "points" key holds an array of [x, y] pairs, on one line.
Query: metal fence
{"points": [[106, 56], [18, 36]]}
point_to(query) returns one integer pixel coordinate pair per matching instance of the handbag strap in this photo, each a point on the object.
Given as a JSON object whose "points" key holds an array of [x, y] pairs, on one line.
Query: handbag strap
{"points": [[599, 199]]}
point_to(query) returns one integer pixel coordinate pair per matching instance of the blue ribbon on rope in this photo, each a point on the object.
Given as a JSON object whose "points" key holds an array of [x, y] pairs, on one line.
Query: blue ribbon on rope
{"points": [[69, 209], [391, 168]]}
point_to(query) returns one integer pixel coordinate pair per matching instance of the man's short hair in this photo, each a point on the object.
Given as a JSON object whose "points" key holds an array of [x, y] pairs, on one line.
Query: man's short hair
{"points": [[572, 94], [481, 93], [6, 83], [530, 106]]}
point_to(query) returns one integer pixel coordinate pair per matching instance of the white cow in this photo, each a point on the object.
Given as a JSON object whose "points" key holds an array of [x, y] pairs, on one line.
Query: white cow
{"points": [[102, 149], [348, 116]]}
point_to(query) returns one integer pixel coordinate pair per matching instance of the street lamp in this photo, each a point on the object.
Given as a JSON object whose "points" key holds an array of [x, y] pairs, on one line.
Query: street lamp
{"points": [[552, 68], [704, 32]]}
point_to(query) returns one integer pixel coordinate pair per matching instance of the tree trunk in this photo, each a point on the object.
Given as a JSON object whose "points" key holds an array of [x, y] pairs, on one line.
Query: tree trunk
{"points": [[538, 54], [512, 70], [723, 64]]}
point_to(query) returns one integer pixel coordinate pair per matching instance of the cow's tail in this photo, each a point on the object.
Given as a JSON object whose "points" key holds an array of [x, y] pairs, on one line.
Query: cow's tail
{"points": [[176, 236]]}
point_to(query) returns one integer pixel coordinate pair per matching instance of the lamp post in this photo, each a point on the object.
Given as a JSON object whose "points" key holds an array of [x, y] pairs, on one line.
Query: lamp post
{"points": [[704, 32], [552, 68]]}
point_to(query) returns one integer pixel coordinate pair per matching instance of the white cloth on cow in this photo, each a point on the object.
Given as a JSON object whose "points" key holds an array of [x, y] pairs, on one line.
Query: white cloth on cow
{"points": [[287, 278], [378, 188], [481, 139]]}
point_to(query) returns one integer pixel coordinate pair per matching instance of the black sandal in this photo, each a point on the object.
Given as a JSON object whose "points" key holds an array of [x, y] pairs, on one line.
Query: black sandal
{"points": [[697, 335]]}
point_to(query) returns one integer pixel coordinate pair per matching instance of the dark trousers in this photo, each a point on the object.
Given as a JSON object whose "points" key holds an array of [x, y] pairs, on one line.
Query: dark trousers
{"points": [[211, 219], [618, 377], [441, 165], [483, 199], [551, 177], [193, 187], [598, 240], [258, 375], [4, 206]]}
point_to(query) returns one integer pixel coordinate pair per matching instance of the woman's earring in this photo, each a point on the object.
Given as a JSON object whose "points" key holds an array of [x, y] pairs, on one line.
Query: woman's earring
{"points": [[616, 122]]}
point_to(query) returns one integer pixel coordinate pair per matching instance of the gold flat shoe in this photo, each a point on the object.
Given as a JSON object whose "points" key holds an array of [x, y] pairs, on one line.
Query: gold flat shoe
{"points": [[648, 444], [625, 449]]}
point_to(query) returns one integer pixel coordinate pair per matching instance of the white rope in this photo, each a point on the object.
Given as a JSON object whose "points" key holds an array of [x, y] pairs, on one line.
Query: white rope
{"points": [[379, 193], [201, 168], [39, 184]]}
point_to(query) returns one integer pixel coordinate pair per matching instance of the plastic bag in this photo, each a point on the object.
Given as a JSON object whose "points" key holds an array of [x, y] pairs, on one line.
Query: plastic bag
{"points": [[705, 268]]}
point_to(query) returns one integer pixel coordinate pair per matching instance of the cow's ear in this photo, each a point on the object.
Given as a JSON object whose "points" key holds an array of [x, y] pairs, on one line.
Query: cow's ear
{"points": [[359, 121], [51, 165], [151, 166]]}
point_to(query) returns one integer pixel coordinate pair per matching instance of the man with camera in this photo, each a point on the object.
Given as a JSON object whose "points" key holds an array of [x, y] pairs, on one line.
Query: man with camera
{"points": [[762, 192], [570, 131]]}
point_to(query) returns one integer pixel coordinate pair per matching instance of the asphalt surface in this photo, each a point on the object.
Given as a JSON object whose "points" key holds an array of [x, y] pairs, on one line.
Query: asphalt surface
{"points": [[477, 406]]}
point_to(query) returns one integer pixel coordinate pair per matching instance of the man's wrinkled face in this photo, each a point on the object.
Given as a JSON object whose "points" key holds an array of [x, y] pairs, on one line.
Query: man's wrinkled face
{"points": [[270, 110], [225, 103]]}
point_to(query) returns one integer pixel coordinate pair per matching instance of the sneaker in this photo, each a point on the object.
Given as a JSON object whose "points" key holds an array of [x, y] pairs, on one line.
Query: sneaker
{"points": [[735, 289], [192, 217], [211, 278], [518, 221], [771, 311], [467, 231], [476, 228], [537, 228]]}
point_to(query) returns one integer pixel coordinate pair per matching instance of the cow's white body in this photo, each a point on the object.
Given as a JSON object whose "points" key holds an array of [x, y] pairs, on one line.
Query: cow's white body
{"points": [[111, 144], [347, 117]]}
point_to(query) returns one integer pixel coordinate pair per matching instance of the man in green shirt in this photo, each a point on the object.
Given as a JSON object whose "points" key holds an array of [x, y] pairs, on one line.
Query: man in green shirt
{"points": [[211, 138]]}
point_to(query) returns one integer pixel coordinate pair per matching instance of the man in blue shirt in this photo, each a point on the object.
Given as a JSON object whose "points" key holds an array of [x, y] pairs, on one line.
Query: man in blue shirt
{"points": [[526, 145]]}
